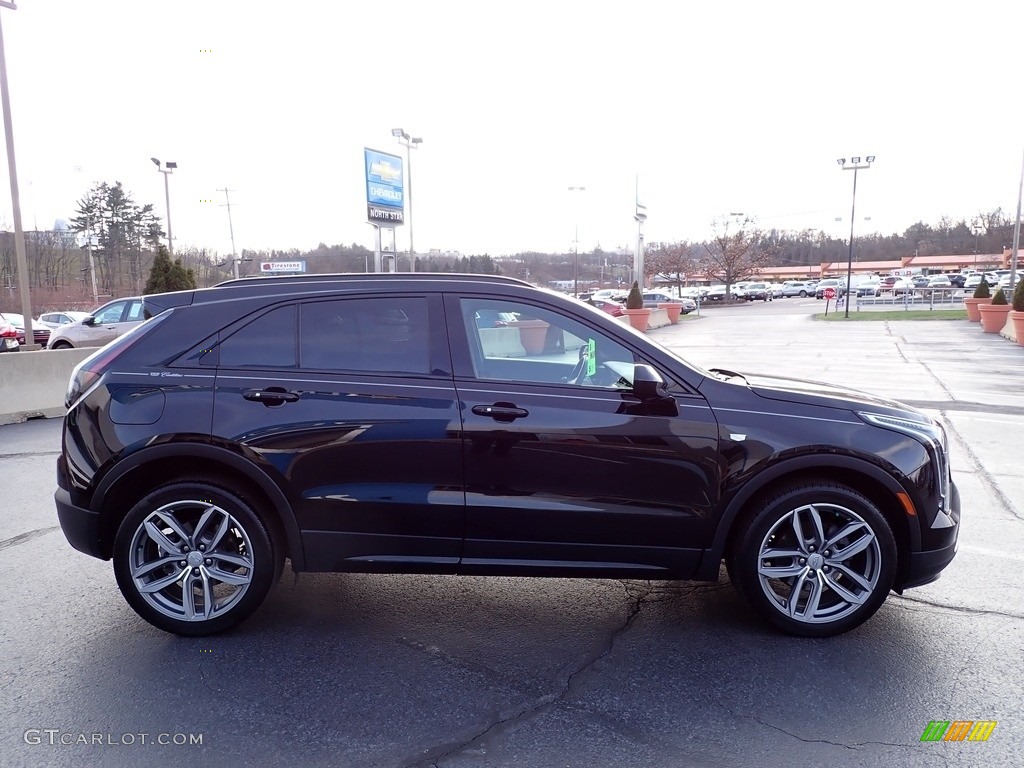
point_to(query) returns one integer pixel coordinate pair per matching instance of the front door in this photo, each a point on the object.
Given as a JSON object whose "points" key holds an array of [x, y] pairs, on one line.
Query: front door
{"points": [[566, 470]]}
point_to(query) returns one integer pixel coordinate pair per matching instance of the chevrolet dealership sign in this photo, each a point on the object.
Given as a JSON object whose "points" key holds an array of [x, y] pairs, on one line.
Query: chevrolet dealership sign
{"points": [[385, 188]]}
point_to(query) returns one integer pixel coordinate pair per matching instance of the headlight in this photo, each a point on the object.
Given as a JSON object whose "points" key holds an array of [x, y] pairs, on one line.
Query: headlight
{"points": [[929, 432]]}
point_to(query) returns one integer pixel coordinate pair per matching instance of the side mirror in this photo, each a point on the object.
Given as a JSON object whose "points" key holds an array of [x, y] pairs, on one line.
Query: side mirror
{"points": [[647, 383], [90, 320]]}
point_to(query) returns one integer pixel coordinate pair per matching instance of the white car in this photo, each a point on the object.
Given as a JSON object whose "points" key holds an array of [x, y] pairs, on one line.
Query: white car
{"points": [[54, 320]]}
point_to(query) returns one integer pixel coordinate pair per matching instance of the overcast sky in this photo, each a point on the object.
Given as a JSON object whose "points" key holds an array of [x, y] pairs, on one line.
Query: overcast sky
{"points": [[719, 107]]}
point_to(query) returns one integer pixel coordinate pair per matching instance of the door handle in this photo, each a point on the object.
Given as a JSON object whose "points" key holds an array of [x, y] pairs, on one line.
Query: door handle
{"points": [[271, 396], [501, 411]]}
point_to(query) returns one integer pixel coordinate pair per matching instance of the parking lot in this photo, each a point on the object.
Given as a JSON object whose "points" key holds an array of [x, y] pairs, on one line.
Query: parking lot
{"points": [[366, 670]]}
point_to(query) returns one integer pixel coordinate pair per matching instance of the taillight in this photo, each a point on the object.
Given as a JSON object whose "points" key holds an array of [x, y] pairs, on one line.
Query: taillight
{"points": [[8, 331], [87, 373]]}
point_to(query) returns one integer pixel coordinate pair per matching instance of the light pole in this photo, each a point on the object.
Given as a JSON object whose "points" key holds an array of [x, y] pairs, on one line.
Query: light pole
{"points": [[976, 230], [855, 165], [167, 170], [410, 143], [19, 236], [576, 247]]}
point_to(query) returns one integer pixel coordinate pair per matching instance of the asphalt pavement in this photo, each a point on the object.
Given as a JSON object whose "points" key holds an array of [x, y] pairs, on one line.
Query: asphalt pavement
{"points": [[369, 670]]}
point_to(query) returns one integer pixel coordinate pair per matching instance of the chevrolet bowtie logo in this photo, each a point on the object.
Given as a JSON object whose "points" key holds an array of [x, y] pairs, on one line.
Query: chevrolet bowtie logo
{"points": [[383, 170]]}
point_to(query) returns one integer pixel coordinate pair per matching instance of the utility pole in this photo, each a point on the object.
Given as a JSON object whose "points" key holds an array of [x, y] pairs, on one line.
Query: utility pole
{"points": [[19, 236], [234, 258]]}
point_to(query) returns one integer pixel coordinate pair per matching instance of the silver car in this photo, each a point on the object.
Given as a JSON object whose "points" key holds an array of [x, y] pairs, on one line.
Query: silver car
{"points": [[101, 327]]}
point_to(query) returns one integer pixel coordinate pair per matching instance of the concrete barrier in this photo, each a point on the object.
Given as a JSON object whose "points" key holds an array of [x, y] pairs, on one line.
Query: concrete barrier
{"points": [[33, 384]]}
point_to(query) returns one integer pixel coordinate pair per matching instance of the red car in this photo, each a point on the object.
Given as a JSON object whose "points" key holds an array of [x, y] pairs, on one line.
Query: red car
{"points": [[8, 336], [613, 308]]}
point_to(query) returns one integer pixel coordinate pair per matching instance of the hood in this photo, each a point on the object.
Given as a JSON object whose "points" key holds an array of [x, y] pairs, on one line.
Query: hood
{"points": [[823, 394]]}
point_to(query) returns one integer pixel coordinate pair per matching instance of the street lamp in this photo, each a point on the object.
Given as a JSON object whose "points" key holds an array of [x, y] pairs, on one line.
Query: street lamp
{"points": [[167, 170], [976, 229], [410, 143], [576, 247], [855, 165]]}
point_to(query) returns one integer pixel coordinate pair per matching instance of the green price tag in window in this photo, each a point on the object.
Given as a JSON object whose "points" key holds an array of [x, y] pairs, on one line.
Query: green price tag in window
{"points": [[591, 358]]}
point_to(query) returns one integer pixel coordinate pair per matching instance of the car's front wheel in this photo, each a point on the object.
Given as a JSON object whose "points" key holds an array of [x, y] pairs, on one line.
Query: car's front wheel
{"points": [[815, 560], [194, 559]]}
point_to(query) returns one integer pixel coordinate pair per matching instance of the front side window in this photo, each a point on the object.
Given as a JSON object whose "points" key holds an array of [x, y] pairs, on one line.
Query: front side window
{"points": [[388, 334], [111, 313], [513, 341]]}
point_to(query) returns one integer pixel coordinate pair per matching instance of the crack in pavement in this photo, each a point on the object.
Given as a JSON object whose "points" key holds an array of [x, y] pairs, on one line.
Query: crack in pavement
{"points": [[21, 538], [977, 466], [959, 609], [543, 702], [854, 746]]}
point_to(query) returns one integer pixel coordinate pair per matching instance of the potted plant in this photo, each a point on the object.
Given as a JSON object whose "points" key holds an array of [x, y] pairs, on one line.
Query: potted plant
{"points": [[1017, 313], [533, 334], [638, 315], [993, 316], [982, 295], [674, 308]]}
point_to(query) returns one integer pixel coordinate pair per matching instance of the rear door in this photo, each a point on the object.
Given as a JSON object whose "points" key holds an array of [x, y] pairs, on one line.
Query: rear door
{"points": [[348, 403]]}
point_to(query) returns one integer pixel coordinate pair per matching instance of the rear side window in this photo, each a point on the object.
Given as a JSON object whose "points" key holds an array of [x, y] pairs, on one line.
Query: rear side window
{"points": [[388, 334], [266, 342]]}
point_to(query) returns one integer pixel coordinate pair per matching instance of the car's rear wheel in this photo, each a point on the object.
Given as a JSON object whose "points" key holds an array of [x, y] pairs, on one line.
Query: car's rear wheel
{"points": [[61, 345], [194, 559], [803, 294], [816, 560]]}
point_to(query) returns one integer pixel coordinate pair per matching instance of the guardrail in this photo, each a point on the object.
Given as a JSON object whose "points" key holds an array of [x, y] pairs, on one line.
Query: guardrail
{"points": [[915, 298]]}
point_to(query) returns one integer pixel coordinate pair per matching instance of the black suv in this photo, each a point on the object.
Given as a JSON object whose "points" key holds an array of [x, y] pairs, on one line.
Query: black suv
{"points": [[461, 424]]}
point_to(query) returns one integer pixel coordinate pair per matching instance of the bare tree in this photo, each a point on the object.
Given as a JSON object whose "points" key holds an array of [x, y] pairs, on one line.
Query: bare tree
{"points": [[676, 261], [737, 251]]}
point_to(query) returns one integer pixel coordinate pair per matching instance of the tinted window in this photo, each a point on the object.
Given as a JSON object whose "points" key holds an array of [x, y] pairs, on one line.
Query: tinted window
{"points": [[266, 342], [387, 334], [542, 347]]}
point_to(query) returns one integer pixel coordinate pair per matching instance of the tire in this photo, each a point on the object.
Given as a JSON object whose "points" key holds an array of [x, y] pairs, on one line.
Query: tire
{"points": [[799, 526], [803, 294], [203, 533], [62, 345]]}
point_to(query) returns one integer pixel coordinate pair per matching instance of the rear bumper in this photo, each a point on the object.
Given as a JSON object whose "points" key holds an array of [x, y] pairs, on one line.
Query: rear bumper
{"points": [[81, 526]]}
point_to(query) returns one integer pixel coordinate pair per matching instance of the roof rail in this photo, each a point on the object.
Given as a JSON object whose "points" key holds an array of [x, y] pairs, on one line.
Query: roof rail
{"points": [[271, 280]]}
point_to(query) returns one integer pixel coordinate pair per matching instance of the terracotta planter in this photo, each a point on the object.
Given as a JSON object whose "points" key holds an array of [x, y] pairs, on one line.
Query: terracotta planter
{"points": [[993, 317], [972, 304], [532, 334], [1017, 318], [638, 318], [674, 308]]}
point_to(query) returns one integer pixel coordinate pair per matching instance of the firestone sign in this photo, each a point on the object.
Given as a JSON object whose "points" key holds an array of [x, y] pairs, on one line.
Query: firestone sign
{"points": [[282, 267], [385, 188]]}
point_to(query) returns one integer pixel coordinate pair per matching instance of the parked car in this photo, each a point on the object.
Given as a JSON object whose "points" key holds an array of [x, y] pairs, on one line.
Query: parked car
{"points": [[653, 298], [613, 308], [939, 281], [205, 447], [972, 282], [40, 335], [8, 337], [886, 283], [1006, 285], [869, 288], [776, 289], [837, 285], [957, 279], [758, 292], [53, 320], [113, 319], [799, 288], [903, 286]]}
